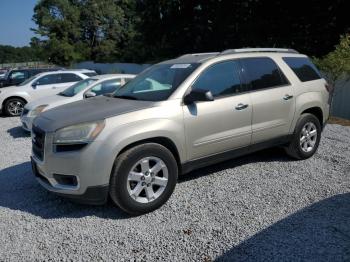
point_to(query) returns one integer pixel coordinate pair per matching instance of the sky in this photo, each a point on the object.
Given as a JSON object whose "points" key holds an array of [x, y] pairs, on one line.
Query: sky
{"points": [[16, 21]]}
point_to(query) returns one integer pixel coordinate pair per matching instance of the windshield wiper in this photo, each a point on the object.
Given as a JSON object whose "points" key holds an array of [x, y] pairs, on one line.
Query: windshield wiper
{"points": [[126, 97]]}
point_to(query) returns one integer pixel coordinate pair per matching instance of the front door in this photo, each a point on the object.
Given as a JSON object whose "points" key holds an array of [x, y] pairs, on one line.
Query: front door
{"points": [[223, 124]]}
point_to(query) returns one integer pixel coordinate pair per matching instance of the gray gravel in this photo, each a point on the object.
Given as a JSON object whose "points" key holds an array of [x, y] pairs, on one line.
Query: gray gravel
{"points": [[259, 207]]}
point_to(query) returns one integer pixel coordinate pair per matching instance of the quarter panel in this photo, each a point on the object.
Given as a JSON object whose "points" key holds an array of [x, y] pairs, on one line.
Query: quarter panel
{"points": [[308, 100]]}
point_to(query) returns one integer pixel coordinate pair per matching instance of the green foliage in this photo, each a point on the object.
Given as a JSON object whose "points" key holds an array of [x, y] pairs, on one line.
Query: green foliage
{"points": [[142, 31], [75, 30], [336, 64], [10, 54]]}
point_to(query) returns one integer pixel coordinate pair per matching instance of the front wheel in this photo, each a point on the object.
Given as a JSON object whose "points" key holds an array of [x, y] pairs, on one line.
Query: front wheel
{"points": [[143, 178], [306, 137], [14, 106]]}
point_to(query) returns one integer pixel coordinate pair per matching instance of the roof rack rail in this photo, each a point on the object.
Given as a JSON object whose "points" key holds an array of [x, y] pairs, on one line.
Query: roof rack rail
{"points": [[253, 50], [200, 54]]}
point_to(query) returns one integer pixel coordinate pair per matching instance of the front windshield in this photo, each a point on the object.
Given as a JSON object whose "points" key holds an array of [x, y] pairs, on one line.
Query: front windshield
{"points": [[156, 83], [77, 87], [27, 81]]}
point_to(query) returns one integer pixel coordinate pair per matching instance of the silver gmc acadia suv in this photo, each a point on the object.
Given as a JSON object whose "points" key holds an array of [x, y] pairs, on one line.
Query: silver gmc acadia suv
{"points": [[176, 116]]}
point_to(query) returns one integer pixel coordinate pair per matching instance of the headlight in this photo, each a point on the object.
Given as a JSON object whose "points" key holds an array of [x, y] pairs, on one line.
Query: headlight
{"points": [[82, 133], [37, 110]]}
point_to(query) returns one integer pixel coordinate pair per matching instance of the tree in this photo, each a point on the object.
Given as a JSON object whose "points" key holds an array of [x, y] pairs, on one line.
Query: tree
{"points": [[10, 54], [152, 30], [58, 27], [74, 30], [336, 64]]}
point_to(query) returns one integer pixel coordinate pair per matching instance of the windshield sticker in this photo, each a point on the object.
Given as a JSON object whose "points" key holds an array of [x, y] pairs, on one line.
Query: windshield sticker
{"points": [[180, 66]]}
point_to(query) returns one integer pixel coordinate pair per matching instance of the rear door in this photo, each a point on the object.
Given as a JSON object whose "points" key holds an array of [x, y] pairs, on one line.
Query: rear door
{"points": [[221, 125], [65, 80], [272, 97]]}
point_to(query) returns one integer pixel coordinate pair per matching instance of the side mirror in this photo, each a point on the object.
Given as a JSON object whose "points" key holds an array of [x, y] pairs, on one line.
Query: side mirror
{"points": [[34, 85], [198, 95], [89, 94]]}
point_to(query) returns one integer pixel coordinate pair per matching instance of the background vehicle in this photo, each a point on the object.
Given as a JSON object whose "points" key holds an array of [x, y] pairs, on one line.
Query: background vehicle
{"points": [[13, 99], [2, 73], [16, 76], [176, 116], [87, 88]]}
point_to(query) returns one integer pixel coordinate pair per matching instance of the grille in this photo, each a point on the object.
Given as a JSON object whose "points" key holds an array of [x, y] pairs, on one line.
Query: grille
{"points": [[38, 142]]}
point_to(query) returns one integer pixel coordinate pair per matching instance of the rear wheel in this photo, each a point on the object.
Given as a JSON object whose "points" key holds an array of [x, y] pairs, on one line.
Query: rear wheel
{"points": [[306, 137], [144, 178], [14, 106]]}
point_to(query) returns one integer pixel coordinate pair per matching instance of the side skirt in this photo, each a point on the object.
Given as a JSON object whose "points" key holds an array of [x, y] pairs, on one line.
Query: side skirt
{"points": [[220, 157]]}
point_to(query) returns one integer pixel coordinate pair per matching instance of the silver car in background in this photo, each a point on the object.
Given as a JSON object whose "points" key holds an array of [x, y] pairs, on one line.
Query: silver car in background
{"points": [[90, 87]]}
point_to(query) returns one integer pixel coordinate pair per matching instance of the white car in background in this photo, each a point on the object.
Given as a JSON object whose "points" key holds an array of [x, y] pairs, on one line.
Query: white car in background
{"points": [[13, 98], [90, 87]]}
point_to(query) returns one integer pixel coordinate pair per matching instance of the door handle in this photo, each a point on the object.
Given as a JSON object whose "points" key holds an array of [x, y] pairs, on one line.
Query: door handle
{"points": [[54, 87], [287, 97], [241, 106]]}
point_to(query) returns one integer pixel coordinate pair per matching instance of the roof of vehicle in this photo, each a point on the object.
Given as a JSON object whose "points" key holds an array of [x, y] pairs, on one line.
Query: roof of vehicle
{"points": [[108, 76], [76, 70], [65, 71], [35, 69], [202, 57]]}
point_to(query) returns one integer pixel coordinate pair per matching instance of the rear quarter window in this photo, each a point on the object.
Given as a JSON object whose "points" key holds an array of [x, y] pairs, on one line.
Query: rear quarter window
{"points": [[262, 73], [303, 68]]}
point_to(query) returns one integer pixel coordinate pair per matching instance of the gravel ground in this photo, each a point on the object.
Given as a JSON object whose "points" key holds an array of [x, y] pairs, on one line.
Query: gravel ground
{"points": [[259, 207]]}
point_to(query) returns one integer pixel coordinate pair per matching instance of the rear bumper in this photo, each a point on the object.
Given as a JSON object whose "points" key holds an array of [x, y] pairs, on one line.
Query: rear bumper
{"points": [[93, 195]]}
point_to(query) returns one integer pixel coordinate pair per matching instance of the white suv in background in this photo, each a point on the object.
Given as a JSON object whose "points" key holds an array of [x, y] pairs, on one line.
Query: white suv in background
{"points": [[13, 98], [90, 87]]}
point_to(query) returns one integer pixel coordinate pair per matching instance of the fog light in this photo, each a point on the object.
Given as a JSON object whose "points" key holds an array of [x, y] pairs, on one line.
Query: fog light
{"points": [[66, 180]]}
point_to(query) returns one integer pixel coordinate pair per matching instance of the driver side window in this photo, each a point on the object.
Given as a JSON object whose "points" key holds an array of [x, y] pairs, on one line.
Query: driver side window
{"points": [[221, 79]]}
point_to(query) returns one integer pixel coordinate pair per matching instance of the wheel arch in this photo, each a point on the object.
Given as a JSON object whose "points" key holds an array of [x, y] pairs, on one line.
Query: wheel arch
{"points": [[11, 97], [316, 111], [161, 140]]}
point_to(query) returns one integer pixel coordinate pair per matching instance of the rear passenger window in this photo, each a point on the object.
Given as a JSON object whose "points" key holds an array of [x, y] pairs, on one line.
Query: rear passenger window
{"points": [[262, 72], [48, 80], [66, 78], [303, 68], [221, 79]]}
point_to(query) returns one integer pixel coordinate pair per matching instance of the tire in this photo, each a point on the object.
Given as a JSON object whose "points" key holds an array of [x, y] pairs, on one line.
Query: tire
{"points": [[133, 193], [303, 150], [14, 106]]}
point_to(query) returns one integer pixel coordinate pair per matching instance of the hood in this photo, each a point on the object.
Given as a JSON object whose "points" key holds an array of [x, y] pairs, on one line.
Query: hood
{"points": [[51, 101], [88, 110]]}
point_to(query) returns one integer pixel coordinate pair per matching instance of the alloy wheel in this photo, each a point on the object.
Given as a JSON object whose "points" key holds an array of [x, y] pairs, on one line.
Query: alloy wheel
{"points": [[308, 137], [147, 179], [15, 108]]}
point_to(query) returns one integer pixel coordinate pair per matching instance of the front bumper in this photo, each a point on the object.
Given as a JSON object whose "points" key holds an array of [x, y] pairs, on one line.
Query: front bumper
{"points": [[86, 169], [93, 195]]}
